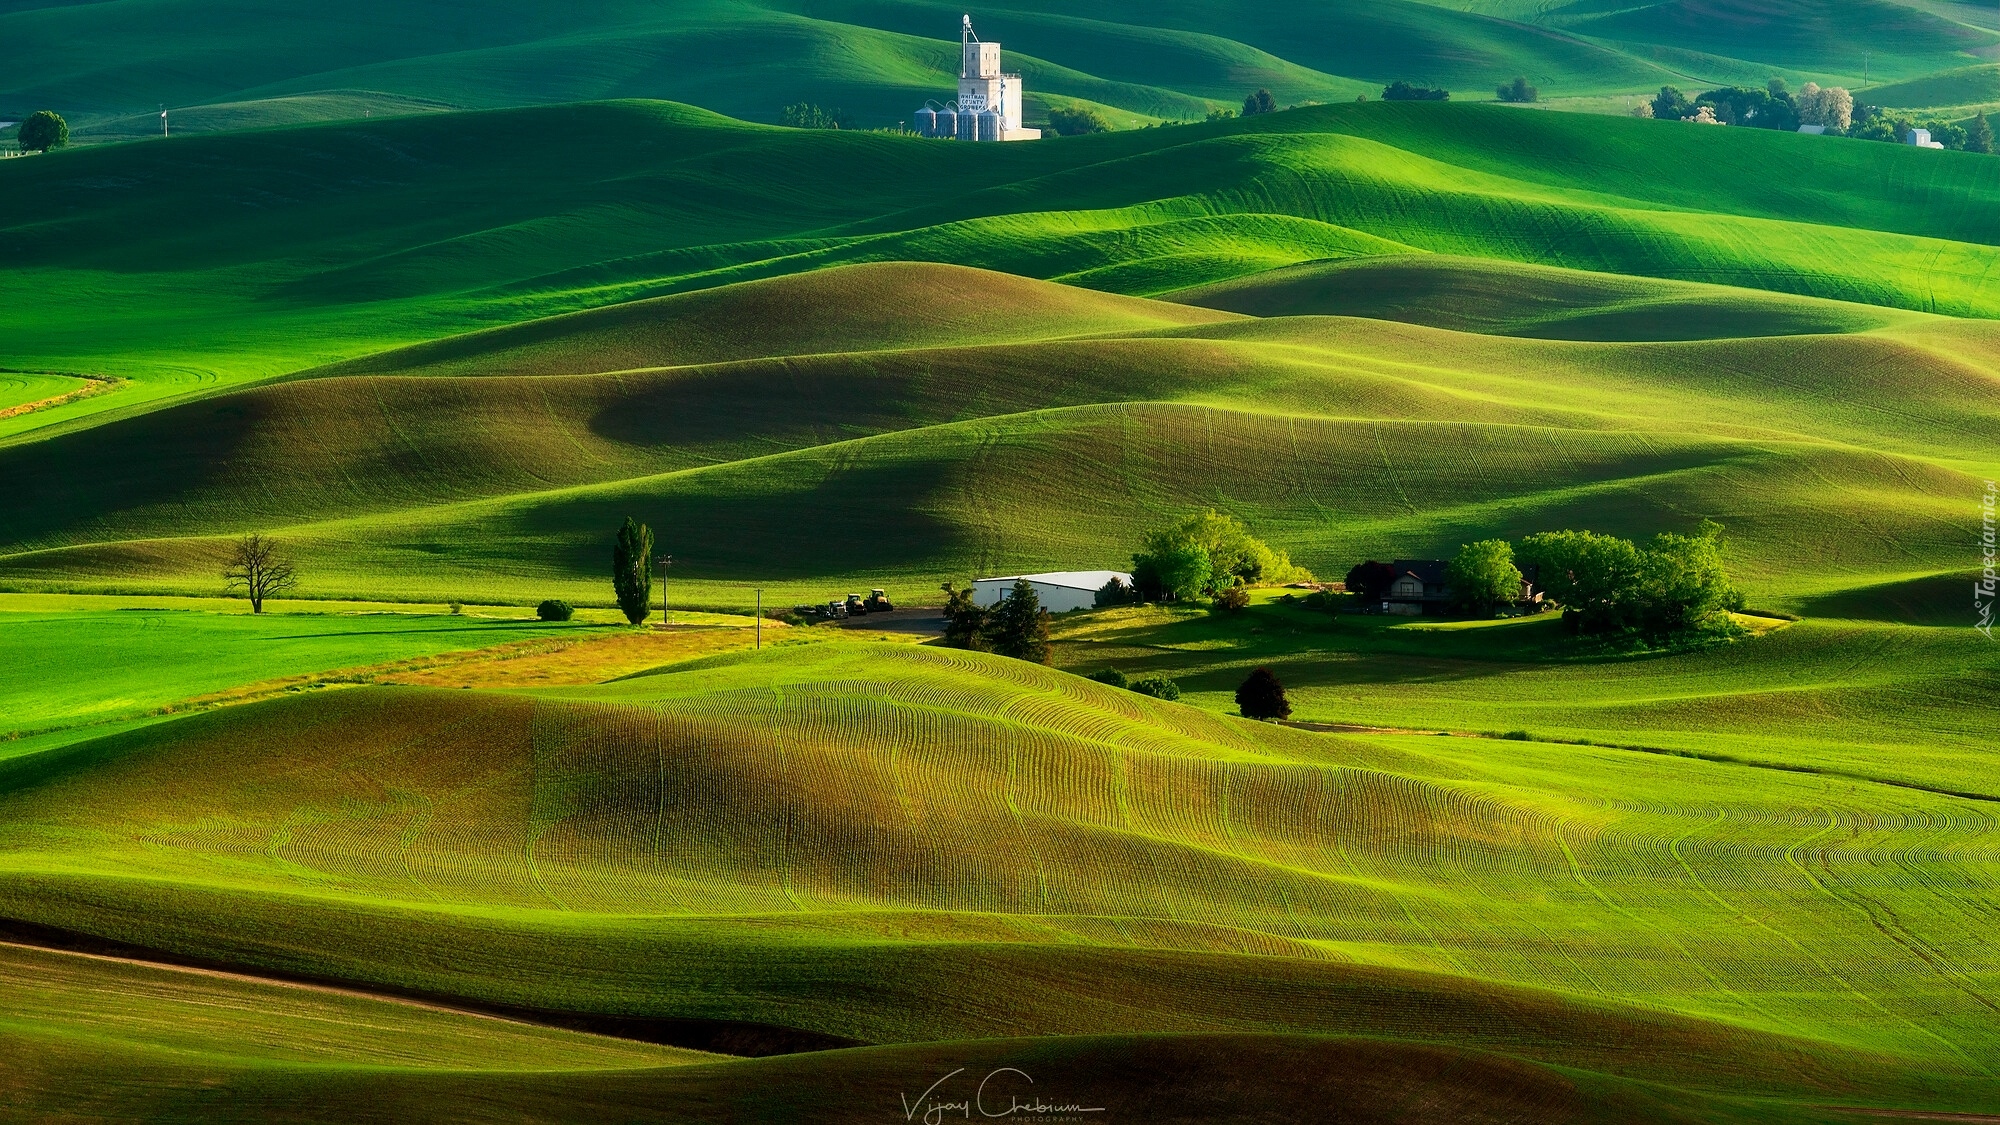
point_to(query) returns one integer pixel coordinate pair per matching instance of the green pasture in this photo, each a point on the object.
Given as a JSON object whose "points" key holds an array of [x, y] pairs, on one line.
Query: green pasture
{"points": [[897, 844], [66, 670]]}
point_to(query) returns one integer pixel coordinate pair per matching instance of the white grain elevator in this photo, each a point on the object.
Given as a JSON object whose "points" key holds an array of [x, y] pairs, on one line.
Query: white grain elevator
{"points": [[989, 100]]}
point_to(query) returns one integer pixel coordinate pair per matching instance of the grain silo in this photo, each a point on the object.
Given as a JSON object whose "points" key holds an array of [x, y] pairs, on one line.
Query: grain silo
{"points": [[989, 100]]}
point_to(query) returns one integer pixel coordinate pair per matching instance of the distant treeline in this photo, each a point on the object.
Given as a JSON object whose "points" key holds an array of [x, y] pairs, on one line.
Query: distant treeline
{"points": [[1831, 108]]}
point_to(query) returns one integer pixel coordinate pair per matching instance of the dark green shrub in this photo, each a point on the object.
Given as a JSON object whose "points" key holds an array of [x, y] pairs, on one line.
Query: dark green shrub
{"points": [[1159, 687], [1400, 91], [1115, 592], [1111, 676], [806, 115], [554, 610], [1075, 121]]}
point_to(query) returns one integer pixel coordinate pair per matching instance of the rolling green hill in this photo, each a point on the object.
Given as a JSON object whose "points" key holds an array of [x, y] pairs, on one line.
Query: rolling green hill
{"points": [[441, 356], [819, 837], [110, 67], [493, 464], [210, 260]]}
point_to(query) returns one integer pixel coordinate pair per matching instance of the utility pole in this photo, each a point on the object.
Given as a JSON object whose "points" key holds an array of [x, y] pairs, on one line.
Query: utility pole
{"points": [[665, 562], [163, 121]]}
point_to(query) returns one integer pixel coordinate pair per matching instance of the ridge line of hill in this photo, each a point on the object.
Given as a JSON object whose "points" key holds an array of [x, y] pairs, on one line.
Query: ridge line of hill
{"points": [[737, 1038]]}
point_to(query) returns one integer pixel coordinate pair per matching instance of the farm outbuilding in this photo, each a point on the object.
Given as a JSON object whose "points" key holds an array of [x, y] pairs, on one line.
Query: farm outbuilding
{"points": [[1059, 591]]}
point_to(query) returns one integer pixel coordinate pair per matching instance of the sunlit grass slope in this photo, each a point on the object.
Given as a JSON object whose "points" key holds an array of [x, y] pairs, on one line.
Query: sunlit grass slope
{"points": [[819, 837], [1516, 299], [1877, 699], [222, 257], [917, 422], [58, 1004]]}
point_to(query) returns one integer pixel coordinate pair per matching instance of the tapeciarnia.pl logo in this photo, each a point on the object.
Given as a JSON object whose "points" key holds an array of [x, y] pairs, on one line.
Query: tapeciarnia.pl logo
{"points": [[1983, 590]]}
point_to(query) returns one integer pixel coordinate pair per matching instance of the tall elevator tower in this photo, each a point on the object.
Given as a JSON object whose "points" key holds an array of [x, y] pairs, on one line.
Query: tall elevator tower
{"points": [[989, 99]]}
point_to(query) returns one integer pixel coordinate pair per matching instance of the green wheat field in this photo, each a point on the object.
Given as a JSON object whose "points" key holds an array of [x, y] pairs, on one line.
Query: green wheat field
{"points": [[436, 295]]}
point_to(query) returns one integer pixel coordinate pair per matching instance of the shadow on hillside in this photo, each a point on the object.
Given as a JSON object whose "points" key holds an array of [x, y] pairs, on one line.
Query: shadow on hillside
{"points": [[1936, 600]]}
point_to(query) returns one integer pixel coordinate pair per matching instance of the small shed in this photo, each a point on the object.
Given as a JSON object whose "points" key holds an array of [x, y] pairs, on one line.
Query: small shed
{"points": [[1059, 591]]}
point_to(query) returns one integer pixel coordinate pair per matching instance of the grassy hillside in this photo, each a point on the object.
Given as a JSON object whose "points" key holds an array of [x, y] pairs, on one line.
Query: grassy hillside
{"points": [[210, 260], [910, 449], [109, 68], [1871, 699], [954, 826], [748, 58], [1515, 299], [62, 670]]}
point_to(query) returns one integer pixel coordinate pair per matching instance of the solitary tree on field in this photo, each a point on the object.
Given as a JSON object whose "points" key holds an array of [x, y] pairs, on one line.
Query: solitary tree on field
{"points": [[1259, 102], [1263, 697], [43, 131], [1518, 91], [632, 570], [1019, 626], [259, 569]]}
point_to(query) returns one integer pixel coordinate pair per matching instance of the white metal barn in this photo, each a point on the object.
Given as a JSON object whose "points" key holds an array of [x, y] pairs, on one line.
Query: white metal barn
{"points": [[1059, 591]]}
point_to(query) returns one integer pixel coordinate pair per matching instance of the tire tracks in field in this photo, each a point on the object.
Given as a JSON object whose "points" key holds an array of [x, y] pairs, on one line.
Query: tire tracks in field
{"points": [[1791, 857]]}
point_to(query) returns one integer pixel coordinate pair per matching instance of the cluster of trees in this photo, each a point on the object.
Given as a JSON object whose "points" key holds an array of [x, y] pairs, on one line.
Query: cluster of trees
{"points": [[1259, 102], [1204, 555], [1674, 584], [1830, 107], [1401, 91], [1873, 123], [1016, 626], [1518, 91], [806, 115], [1075, 121], [43, 130]]}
